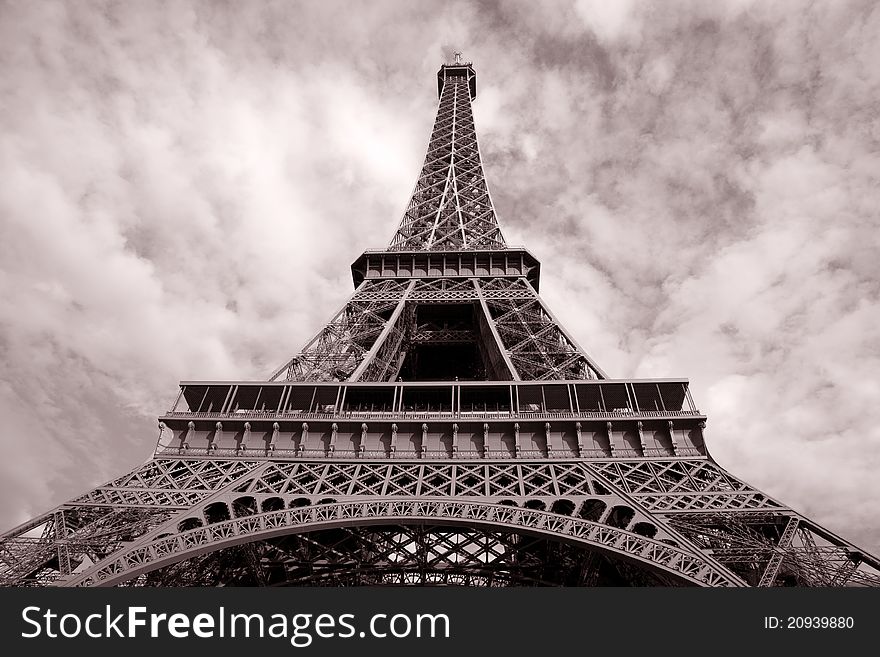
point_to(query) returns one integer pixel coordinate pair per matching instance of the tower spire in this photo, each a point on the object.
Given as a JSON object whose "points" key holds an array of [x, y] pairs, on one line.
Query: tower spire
{"points": [[450, 206], [448, 246]]}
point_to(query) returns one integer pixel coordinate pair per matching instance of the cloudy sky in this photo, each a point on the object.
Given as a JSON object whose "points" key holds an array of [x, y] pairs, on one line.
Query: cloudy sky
{"points": [[183, 186]]}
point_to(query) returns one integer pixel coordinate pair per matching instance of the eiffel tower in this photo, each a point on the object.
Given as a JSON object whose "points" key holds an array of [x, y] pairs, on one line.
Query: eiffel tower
{"points": [[443, 428]]}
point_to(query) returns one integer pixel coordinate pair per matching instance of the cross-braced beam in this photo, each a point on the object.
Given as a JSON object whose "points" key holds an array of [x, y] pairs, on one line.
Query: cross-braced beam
{"points": [[450, 206]]}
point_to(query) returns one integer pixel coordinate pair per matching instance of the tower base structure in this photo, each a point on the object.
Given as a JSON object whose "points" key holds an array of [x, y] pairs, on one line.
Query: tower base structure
{"points": [[458, 483]]}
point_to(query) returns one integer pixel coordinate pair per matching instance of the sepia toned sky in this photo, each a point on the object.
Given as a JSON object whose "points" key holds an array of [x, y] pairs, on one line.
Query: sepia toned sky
{"points": [[183, 186]]}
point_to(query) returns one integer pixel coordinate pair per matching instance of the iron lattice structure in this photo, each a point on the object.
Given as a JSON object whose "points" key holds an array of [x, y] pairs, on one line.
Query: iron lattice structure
{"points": [[443, 428]]}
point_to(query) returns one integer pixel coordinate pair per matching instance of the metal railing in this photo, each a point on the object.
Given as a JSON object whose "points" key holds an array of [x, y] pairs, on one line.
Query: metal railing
{"points": [[436, 415]]}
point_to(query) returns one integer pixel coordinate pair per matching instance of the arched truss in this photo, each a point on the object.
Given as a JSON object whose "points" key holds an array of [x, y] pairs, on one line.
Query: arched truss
{"points": [[166, 549], [423, 554]]}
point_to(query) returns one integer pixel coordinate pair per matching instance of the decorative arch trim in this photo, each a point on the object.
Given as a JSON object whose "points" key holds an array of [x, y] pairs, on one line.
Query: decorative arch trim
{"points": [[162, 551]]}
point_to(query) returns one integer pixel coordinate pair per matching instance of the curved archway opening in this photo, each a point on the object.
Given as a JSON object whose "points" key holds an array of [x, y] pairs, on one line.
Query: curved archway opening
{"points": [[620, 516], [217, 512], [562, 507], [272, 504], [244, 506], [188, 523], [592, 510], [645, 529]]}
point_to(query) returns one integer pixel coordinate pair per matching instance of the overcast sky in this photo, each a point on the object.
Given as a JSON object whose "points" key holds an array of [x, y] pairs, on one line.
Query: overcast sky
{"points": [[183, 186]]}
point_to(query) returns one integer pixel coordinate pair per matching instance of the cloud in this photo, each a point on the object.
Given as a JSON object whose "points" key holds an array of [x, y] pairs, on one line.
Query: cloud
{"points": [[605, 18], [184, 189]]}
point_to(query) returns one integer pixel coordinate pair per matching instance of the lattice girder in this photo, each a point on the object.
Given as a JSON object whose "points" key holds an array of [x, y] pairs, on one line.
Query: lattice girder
{"points": [[538, 346], [616, 495], [408, 554], [779, 548], [311, 482], [450, 206], [72, 537], [340, 348], [370, 336], [167, 549]]}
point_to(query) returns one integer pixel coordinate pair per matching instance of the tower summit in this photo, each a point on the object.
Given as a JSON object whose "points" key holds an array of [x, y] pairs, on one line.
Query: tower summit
{"points": [[442, 428]]}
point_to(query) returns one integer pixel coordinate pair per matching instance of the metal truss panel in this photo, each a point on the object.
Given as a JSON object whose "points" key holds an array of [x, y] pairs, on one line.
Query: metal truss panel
{"points": [[423, 554], [352, 336], [691, 568], [679, 506], [450, 208], [538, 346], [778, 548]]}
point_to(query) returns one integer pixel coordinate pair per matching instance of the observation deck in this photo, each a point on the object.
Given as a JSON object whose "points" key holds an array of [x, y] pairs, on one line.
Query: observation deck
{"points": [[624, 418]]}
